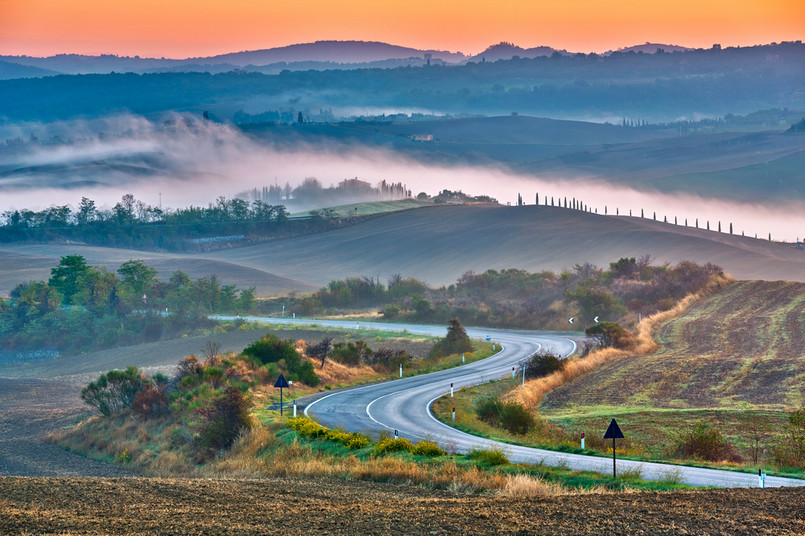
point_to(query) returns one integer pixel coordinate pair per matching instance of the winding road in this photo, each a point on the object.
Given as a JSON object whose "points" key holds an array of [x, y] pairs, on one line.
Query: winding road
{"points": [[404, 406]]}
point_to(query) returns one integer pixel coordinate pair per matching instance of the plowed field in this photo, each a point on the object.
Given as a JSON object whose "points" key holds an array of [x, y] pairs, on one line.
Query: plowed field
{"points": [[284, 506], [743, 345]]}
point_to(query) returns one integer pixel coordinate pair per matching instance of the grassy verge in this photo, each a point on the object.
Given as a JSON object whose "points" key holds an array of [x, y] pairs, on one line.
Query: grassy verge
{"points": [[158, 447], [651, 434]]}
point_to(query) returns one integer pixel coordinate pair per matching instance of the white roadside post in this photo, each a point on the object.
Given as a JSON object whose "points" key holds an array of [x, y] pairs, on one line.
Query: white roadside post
{"points": [[400, 370], [512, 373], [294, 409], [582, 441], [523, 375], [462, 358], [451, 390], [454, 414]]}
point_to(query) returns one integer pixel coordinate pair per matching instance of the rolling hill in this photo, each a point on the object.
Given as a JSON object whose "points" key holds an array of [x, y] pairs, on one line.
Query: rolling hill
{"points": [[742, 346], [437, 244]]}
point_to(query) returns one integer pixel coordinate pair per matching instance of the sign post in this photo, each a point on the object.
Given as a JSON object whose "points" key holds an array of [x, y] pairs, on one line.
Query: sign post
{"points": [[282, 383], [614, 432]]}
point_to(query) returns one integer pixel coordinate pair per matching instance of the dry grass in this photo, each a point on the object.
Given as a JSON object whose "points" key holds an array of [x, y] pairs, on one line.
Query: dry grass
{"points": [[535, 390]]}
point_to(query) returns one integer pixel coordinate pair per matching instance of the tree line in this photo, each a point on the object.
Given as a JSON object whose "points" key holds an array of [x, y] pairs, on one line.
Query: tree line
{"points": [[84, 307]]}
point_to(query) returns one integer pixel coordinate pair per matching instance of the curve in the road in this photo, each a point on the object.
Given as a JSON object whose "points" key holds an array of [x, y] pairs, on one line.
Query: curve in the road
{"points": [[403, 406]]}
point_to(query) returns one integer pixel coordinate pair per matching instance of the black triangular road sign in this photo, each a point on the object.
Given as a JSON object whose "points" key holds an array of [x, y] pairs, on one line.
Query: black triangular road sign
{"points": [[613, 431], [282, 383]]}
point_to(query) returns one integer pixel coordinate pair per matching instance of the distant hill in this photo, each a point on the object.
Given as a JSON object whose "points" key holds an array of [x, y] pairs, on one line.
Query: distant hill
{"points": [[9, 70], [654, 87], [506, 51], [337, 52], [334, 51], [652, 48]]}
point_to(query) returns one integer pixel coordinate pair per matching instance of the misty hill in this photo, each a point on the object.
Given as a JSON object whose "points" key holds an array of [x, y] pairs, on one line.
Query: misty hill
{"points": [[638, 86], [320, 53], [332, 51], [653, 48], [506, 51], [9, 70], [438, 244], [757, 166]]}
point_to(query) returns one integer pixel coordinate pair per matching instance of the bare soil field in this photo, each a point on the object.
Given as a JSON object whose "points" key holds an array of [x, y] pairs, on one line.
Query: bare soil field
{"points": [[743, 345], [298, 506], [437, 244]]}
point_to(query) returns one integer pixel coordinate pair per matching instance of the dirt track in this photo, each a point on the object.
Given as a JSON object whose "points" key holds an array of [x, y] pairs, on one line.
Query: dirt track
{"points": [[285, 506]]}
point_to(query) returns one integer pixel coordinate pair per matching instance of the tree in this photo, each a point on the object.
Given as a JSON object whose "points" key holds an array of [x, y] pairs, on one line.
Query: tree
{"points": [[68, 276], [611, 334], [320, 349], [137, 279], [455, 342]]}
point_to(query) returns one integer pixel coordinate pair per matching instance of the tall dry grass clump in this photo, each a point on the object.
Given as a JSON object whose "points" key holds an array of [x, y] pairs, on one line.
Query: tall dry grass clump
{"points": [[535, 390], [530, 486]]}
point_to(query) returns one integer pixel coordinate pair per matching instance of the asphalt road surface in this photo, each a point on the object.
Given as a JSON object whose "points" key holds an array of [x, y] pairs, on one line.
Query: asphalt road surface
{"points": [[403, 407]]}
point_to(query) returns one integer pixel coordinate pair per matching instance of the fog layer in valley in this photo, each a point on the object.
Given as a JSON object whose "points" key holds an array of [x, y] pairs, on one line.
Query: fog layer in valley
{"points": [[181, 161]]}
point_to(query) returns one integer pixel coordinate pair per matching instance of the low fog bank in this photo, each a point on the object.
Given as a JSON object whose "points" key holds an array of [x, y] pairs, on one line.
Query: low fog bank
{"points": [[178, 161]]}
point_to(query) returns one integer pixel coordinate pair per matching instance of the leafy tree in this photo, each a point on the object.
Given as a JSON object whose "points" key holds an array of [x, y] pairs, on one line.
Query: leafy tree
{"points": [[541, 364], [68, 276], [611, 334], [455, 342], [137, 279]]}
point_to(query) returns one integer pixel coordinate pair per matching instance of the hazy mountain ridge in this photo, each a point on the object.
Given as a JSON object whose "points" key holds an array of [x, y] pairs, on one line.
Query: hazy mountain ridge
{"points": [[656, 87], [318, 55]]}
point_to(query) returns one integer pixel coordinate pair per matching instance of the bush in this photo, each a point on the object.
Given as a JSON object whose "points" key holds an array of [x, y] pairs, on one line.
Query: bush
{"points": [[270, 349], [541, 364], [489, 456], [455, 342], [308, 428], [351, 353], [114, 390], [515, 419], [791, 452], [511, 416], [392, 444], [611, 334], [389, 359], [488, 410], [705, 443], [222, 421], [427, 448], [151, 401]]}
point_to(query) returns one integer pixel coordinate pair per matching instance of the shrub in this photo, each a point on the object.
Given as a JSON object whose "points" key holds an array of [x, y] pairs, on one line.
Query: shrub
{"points": [[222, 422], [706, 443], [488, 410], [791, 452], [541, 364], [388, 358], [151, 401], [114, 390], [611, 334], [455, 342], [270, 349], [351, 353], [427, 448], [515, 419], [489, 456], [309, 428], [392, 444]]}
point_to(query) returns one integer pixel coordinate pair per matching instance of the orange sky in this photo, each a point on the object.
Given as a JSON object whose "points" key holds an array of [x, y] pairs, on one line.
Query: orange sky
{"points": [[182, 28]]}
